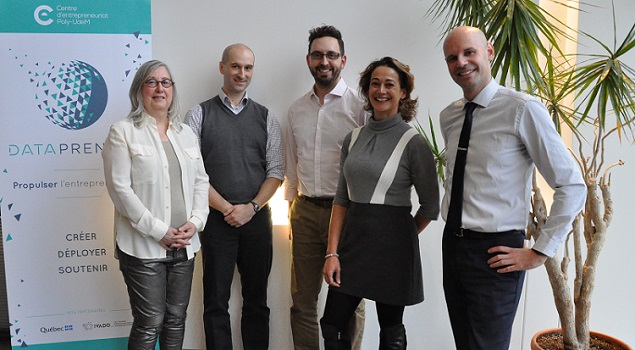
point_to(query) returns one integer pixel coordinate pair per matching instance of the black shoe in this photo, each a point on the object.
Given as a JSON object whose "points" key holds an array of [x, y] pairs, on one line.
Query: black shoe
{"points": [[393, 338], [334, 339]]}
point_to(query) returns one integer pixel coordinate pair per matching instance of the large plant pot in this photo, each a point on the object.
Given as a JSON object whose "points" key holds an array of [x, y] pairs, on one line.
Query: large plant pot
{"points": [[611, 340]]}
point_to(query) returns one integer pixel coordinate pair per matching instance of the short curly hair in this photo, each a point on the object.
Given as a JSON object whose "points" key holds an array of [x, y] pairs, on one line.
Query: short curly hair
{"points": [[407, 105]]}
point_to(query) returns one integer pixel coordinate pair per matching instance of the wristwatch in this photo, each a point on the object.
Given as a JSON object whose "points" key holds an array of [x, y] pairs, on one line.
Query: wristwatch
{"points": [[256, 206]]}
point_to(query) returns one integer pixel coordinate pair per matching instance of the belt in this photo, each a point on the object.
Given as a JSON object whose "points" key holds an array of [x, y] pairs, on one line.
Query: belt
{"points": [[324, 202], [463, 232]]}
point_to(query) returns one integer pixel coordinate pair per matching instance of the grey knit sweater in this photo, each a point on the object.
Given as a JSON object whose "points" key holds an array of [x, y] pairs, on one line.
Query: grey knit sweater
{"points": [[362, 167]]}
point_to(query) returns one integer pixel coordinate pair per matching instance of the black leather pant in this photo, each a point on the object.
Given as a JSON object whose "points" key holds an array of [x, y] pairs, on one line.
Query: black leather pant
{"points": [[159, 291]]}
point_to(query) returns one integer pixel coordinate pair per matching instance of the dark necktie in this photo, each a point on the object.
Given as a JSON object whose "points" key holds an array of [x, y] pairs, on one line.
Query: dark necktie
{"points": [[455, 212]]}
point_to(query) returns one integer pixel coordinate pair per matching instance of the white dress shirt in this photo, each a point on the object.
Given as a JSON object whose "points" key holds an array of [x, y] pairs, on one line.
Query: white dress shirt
{"points": [[314, 136], [138, 181], [511, 132]]}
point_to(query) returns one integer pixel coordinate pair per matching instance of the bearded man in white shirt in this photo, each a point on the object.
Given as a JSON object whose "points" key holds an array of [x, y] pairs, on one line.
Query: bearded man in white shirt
{"points": [[484, 255], [316, 127]]}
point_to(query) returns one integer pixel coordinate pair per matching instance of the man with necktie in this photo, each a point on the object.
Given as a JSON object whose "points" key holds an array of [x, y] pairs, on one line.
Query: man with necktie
{"points": [[494, 137]]}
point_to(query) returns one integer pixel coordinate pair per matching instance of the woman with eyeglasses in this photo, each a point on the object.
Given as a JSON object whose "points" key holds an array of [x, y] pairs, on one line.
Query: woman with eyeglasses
{"points": [[156, 179], [373, 244]]}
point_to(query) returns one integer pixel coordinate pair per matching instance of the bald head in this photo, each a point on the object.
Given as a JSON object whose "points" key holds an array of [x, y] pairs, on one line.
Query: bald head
{"points": [[228, 51], [468, 55], [237, 67], [465, 31]]}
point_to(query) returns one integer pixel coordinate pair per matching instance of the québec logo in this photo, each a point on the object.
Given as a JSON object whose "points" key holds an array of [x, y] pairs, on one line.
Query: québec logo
{"points": [[72, 95]]}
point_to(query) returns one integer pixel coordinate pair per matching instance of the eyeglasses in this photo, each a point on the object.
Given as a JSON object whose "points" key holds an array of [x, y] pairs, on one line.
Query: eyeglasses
{"points": [[331, 55], [152, 83]]}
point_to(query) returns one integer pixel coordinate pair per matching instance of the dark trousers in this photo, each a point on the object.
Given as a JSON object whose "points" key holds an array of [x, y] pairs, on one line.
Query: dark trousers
{"points": [[340, 307], [159, 291], [250, 249], [481, 302]]}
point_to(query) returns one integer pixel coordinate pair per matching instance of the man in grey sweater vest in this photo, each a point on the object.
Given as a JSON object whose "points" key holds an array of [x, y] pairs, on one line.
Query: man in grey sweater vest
{"points": [[241, 144]]}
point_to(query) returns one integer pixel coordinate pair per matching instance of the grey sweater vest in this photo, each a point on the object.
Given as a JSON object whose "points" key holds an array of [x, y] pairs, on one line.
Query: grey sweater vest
{"points": [[234, 149]]}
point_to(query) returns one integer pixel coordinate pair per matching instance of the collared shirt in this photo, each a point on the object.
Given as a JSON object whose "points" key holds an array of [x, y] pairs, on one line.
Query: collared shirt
{"points": [[314, 137], [274, 152], [511, 132], [138, 182]]}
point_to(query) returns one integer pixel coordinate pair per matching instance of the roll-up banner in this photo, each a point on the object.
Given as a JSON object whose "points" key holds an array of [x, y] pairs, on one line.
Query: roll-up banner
{"points": [[66, 67]]}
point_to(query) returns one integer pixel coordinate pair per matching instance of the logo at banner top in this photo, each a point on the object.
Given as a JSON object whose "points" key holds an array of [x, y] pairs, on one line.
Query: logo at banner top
{"points": [[72, 95], [41, 15]]}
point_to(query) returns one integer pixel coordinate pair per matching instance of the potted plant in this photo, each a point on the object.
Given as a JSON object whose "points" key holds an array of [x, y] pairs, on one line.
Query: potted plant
{"points": [[603, 90]]}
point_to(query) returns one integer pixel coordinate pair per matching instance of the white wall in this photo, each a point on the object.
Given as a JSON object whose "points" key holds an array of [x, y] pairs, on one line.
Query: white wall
{"points": [[613, 309], [190, 36]]}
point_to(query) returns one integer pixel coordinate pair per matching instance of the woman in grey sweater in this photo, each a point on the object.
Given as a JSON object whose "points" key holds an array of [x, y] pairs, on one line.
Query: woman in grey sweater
{"points": [[373, 248]]}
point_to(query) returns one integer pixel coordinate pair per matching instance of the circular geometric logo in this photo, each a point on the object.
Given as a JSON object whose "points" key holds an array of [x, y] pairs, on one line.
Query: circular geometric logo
{"points": [[42, 15], [73, 95]]}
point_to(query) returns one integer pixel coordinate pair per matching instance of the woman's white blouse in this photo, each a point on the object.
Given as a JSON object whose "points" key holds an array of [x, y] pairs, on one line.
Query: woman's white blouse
{"points": [[137, 179]]}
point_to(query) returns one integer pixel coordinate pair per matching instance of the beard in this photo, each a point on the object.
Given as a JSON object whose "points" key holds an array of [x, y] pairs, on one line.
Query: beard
{"points": [[325, 80]]}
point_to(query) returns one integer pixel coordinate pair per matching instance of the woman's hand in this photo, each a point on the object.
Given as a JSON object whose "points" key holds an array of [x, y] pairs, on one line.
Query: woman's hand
{"points": [[331, 271], [169, 238], [421, 223], [187, 231], [332, 268], [184, 234], [178, 238]]}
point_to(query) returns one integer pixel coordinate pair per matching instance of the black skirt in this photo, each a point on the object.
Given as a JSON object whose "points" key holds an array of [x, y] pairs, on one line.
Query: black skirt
{"points": [[379, 255]]}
